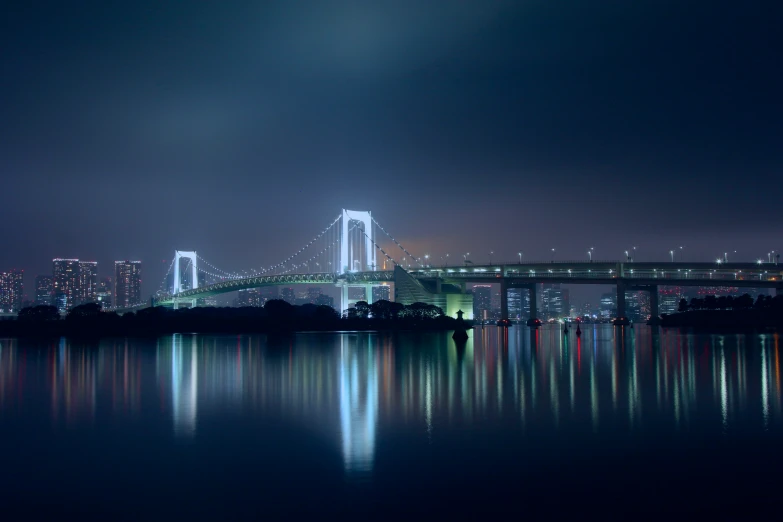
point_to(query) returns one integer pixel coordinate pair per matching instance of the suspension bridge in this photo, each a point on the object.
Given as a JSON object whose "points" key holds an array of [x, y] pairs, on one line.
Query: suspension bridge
{"points": [[354, 250]]}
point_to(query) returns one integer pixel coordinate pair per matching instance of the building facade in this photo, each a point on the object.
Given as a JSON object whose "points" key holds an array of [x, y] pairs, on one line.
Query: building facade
{"points": [[127, 283], [482, 302], [11, 290], [381, 292], [87, 291], [103, 295], [43, 290], [65, 283]]}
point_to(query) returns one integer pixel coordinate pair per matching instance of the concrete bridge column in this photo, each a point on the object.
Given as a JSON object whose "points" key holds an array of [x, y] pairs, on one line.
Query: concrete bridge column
{"points": [[368, 293], [621, 319], [343, 298], [654, 313], [503, 299], [533, 306]]}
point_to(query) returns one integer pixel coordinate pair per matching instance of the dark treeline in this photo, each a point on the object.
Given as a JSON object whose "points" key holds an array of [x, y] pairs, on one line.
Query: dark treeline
{"points": [[275, 316], [723, 302], [728, 312]]}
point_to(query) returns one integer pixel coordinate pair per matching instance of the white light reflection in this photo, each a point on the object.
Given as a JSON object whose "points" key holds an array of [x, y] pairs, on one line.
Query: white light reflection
{"points": [[184, 385], [358, 406], [764, 385], [724, 400], [428, 401]]}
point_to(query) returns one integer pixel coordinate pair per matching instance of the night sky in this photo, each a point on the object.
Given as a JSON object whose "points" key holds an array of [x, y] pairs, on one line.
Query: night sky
{"points": [[240, 129]]}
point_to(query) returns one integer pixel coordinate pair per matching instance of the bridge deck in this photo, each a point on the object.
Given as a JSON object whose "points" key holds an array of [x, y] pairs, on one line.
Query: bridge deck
{"points": [[746, 275]]}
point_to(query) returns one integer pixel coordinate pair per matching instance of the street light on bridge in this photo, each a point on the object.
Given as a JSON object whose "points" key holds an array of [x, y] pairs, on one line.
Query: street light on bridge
{"points": [[671, 252], [520, 257], [490, 257], [553, 255], [590, 253]]}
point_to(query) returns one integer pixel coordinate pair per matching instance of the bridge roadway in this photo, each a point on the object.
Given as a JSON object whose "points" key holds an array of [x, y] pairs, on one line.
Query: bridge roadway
{"points": [[626, 276]]}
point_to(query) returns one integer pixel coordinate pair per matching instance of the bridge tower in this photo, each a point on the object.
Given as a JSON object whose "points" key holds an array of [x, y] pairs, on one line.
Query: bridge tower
{"points": [[346, 249], [178, 274], [178, 254]]}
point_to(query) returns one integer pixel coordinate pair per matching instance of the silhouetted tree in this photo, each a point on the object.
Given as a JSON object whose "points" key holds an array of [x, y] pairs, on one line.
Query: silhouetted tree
{"points": [[761, 301], [362, 309], [324, 313], [683, 305], [39, 313], [279, 309], [306, 311], [743, 302], [422, 311], [84, 312], [710, 302]]}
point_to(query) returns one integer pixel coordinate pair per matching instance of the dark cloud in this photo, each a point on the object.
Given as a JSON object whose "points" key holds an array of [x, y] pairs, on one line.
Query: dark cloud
{"points": [[132, 129]]}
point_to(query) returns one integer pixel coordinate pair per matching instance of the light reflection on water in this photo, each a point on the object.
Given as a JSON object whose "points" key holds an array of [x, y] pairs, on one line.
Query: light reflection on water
{"points": [[354, 389]]}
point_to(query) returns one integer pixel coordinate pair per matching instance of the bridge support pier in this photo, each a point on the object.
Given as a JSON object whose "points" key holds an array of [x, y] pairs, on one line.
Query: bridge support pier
{"points": [[532, 320], [621, 319], [343, 299]]}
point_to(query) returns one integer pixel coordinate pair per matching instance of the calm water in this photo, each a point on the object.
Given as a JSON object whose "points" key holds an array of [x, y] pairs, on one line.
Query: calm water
{"points": [[621, 422]]}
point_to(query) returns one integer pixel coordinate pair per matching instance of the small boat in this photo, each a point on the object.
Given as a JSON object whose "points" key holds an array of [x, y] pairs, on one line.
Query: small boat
{"points": [[565, 328], [578, 330]]}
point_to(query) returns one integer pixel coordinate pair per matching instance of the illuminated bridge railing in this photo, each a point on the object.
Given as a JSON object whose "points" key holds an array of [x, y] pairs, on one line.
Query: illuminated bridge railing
{"points": [[231, 285], [606, 271]]}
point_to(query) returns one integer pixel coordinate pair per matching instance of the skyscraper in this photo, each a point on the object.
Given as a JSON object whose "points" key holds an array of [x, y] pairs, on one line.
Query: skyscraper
{"points": [[65, 282], [88, 282], [515, 303], [381, 292], [552, 301], [312, 294], [127, 283], [608, 305], [326, 300], [482, 302], [11, 290], [104, 293], [249, 297], [43, 290], [287, 294], [669, 299]]}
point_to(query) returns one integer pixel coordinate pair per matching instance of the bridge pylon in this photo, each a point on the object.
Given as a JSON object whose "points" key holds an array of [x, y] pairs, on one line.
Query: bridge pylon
{"points": [[193, 257], [347, 254]]}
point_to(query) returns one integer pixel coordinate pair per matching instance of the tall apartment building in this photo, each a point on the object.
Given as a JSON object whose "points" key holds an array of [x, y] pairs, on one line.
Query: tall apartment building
{"points": [[65, 283], [127, 283], [11, 290], [43, 290]]}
